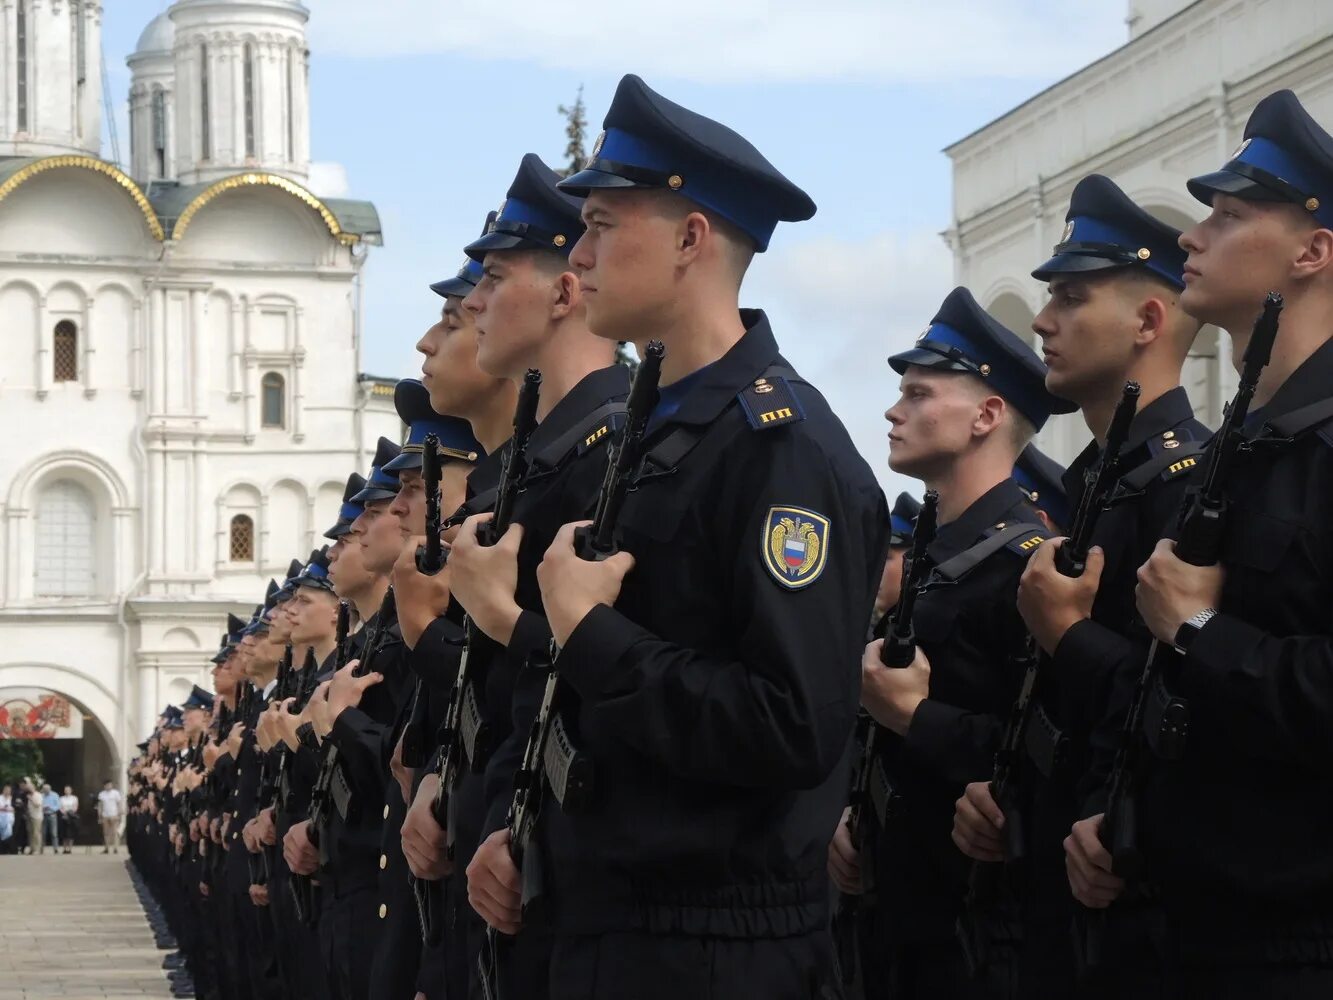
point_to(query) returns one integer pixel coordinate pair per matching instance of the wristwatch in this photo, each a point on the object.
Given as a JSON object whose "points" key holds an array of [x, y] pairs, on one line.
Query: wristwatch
{"points": [[1189, 631]]}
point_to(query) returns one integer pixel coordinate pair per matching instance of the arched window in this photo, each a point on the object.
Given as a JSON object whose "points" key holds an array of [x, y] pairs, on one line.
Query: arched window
{"points": [[249, 72], [65, 352], [274, 403], [21, 63], [205, 125], [160, 130], [242, 538], [64, 559]]}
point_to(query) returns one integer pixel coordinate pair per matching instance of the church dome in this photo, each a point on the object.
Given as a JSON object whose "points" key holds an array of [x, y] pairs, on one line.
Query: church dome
{"points": [[159, 36]]}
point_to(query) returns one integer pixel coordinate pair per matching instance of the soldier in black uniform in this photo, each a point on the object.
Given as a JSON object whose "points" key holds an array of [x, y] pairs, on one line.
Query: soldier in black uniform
{"points": [[972, 397], [1114, 315], [711, 665], [1041, 478], [1235, 832]]}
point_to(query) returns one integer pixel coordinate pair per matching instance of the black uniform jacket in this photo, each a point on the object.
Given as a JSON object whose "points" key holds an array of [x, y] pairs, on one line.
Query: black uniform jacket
{"points": [[718, 695]]}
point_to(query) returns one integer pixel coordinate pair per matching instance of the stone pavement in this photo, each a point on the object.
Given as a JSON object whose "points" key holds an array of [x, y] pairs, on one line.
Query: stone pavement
{"points": [[71, 928]]}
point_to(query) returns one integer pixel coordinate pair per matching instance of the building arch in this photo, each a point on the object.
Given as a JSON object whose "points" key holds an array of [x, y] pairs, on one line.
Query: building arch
{"points": [[108, 170], [262, 179], [96, 700], [81, 464]]}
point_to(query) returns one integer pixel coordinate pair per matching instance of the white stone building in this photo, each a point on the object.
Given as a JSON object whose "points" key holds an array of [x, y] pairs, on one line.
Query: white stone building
{"points": [[1167, 105], [180, 386]]}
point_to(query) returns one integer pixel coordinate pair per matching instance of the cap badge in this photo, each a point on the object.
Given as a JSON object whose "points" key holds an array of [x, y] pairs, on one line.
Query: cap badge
{"points": [[596, 150], [1241, 148], [1069, 231], [1144, 253], [923, 335], [498, 213]]}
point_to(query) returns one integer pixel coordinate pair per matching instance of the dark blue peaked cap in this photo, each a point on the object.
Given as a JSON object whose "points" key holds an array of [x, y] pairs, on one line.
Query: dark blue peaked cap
{"points": [[412, 400], [468, 275], [1104, 229], [650, 142], [1286, 156], [349, 511], [535, 215], [199, 698], [963, 337], [1040, 477], [902, 519], [289, 584], [380, 485], [316, 572]]}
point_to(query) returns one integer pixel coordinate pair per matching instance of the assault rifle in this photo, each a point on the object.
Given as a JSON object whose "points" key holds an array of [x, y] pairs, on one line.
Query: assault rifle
{"points": [[465, 731], [541, 768], [975, 923], [1202, 524], [430, 557], [870, 782]]}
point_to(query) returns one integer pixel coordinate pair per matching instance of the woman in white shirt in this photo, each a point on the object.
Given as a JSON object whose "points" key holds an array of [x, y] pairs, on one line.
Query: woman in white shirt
{"points": [[69, 819]]}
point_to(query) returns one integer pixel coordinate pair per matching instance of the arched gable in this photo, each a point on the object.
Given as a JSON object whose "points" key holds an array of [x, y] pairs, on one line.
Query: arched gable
{"points": [[108, 170], [88, 466], [258, 179]]}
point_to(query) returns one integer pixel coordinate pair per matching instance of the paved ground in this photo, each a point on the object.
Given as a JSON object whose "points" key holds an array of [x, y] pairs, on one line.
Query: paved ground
{"points": [[71, 928]]}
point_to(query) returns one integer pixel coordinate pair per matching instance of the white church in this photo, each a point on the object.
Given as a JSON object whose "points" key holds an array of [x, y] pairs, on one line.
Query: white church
{"points": [[180, 385], [1168, 105]]}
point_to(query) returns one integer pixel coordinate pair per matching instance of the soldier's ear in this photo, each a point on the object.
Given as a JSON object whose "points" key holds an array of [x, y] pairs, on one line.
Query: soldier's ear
{"points": [[1317, 254]]}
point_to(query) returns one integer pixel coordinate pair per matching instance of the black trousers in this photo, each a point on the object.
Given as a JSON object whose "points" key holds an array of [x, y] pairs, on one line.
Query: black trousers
{"points": [[348, 933], [669, 967]]}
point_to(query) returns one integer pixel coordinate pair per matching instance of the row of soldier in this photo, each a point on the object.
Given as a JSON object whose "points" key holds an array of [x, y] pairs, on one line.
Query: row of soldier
{"points": [[579, 702]]}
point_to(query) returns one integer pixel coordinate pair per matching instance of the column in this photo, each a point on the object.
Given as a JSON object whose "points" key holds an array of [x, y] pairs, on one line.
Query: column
{"points": [[44, 348], [88, 366]]}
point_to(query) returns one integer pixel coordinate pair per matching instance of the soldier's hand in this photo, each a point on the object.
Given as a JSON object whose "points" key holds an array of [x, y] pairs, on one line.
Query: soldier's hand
{"points": [[302, 857], [1171, 591], [400, 773], [485, 578], [212, 751], [287, 723], [249, 836], [977, 822], [844, 861], [215, 831], [571, 587], [345, 689], [1088, 865], [203, 889], [1052, 603], [424, 840], [494, 885], [318, 710], [259, 895], [234, 739], [266, 832], [420, 599], [891, 694]]}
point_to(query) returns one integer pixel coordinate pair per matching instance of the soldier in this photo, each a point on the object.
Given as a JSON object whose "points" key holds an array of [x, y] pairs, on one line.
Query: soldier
{"points": [[1041, 479], [1234, 831], [972, 398], [1113, 315], [714, 686]]}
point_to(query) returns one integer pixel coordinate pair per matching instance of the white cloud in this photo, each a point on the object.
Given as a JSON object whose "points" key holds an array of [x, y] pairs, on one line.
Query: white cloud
{"points": [[741, 40], [839, 309]]}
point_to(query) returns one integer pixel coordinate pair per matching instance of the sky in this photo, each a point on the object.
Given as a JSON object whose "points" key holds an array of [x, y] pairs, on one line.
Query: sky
{"points": [[426, 106]]}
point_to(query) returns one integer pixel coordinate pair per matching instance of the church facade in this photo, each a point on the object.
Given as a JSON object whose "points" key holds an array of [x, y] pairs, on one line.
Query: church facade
{"points": [[1169, 104], [181, 382]]}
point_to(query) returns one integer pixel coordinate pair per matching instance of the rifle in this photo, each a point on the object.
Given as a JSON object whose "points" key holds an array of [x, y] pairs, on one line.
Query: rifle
{"points": [[430, 557], [870, 782], [596, 542], [1071, 559], [463, 711], [1203, 518]]}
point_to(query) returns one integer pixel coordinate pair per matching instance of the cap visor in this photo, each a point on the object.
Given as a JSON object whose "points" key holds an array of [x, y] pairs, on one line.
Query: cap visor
{"points": [[478, 249], [923, 359], [372, 493], [339, 530], [1225, 182], [458, 287], [581, 183], [1074, 263], [405, 460], [317, 583]]}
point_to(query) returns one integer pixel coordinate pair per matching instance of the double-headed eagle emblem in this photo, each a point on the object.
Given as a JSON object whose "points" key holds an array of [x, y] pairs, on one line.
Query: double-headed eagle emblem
{"points": [[795, 545]]}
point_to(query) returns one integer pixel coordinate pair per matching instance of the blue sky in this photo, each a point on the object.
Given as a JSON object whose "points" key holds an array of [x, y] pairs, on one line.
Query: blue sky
{"points": [[429, 104]]}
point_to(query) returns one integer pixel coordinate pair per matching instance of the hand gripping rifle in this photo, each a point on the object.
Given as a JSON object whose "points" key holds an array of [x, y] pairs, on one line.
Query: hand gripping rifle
{"points": [[430, 557], [595, 542], [870, 783], [1202, 523], [975, 928], [464, 722]]}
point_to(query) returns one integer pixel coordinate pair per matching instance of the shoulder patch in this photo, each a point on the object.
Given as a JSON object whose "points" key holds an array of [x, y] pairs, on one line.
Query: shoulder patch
{"points": [[794, 545], [770, 402], [600, 433]]}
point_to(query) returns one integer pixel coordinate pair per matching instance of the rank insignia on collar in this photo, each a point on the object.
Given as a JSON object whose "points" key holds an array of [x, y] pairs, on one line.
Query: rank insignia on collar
{"points": [[795, 545]]}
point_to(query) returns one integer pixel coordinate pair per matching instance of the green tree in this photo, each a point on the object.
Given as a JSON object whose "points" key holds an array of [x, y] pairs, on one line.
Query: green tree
{"points": [[576, 134], [17, 758]]}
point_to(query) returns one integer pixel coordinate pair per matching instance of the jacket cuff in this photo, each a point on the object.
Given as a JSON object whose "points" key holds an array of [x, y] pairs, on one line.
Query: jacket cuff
{"points": [[532, 633], [933, 729], [591, 657], [1223, 643]]}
